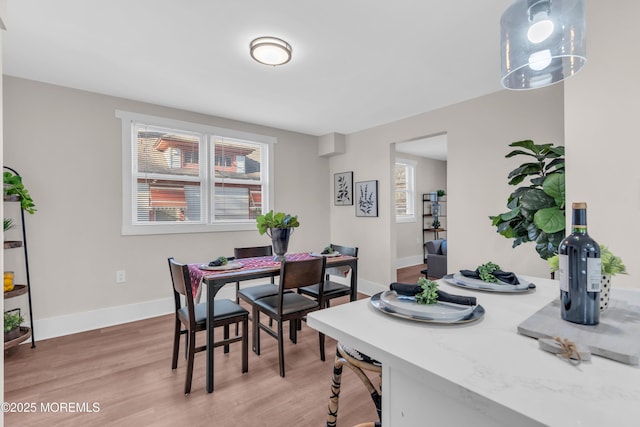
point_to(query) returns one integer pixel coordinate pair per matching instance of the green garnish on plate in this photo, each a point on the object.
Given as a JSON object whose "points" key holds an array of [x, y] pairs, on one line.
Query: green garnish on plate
{"points": [[486, 272], [429, 294]]}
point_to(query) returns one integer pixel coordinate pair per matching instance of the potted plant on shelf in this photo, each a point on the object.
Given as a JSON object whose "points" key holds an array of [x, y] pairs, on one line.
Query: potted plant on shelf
{"points": [[611, 265], [8, 224], [441, 194], [279, 226], [536, 210], [12, 322], [13, 186]]}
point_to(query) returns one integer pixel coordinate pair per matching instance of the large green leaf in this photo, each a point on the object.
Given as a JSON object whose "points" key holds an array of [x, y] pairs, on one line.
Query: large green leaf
{"points": [[533, 200], [554, 187], [549, 220]]}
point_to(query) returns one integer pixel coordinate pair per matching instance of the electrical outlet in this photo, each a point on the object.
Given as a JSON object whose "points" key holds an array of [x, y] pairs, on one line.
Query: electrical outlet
{"points": [[121, 276]]}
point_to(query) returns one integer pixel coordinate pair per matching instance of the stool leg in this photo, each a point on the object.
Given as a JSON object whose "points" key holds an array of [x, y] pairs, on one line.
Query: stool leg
{"points": [[332, 416]]}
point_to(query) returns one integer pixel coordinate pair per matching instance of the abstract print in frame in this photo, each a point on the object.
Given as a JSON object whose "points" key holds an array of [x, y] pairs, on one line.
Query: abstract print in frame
{"points": [[343, 189], [367, 198]]}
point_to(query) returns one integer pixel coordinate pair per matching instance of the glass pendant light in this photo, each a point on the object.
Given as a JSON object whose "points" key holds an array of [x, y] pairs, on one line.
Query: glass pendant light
{"points": [[543, 42]]}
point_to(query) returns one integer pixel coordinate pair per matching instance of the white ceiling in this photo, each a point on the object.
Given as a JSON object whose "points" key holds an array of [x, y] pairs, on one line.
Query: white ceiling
{"points": [[356, 63]]}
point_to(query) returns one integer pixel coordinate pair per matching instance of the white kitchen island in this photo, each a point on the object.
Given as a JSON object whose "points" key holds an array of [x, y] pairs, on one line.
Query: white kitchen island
{"points": [[483, 373]]}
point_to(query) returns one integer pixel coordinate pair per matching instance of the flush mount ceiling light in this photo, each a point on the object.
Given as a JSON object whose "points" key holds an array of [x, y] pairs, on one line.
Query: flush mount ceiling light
{"points": [[542, 42], [270, 51]]}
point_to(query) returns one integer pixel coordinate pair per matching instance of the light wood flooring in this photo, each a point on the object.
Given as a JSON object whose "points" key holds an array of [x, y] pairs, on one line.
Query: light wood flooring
{"points": [[125, 371]]}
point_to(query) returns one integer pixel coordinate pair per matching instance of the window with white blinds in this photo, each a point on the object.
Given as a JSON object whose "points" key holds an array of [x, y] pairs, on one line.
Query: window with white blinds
{"points": [[405, 190], [184, 177]]}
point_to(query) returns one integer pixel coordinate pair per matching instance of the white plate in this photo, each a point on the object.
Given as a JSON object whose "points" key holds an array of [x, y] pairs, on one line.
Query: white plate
{"points": [[476, 314], [228, 266], [408, 306], [331, 255], [460, 280]]}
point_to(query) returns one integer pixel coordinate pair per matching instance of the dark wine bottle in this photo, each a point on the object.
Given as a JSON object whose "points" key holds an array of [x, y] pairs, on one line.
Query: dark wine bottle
{"points": [[579, 272]]}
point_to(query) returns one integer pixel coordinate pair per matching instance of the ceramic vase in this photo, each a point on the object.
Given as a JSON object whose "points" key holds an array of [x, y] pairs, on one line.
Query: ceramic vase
{"points": [[280, 240]]}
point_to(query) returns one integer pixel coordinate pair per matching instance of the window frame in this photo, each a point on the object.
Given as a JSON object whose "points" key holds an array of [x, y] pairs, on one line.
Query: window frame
{"points": [[129, 180], [410, 165]]}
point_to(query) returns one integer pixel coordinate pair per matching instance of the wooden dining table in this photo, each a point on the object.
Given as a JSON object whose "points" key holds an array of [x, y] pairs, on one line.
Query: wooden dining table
{"points": [[252, 268]]}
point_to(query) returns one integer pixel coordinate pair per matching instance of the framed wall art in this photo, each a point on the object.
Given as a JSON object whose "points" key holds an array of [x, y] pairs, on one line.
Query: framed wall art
{"points": [[343, 188], [366, 196]]}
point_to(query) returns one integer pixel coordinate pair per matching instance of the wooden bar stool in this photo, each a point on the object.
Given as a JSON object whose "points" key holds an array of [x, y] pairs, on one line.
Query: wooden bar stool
{"points": [[358, 363]]}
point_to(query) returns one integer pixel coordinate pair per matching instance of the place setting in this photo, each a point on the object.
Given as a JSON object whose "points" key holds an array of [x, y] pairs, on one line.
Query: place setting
{"points": [[221, 264], [424, 302], [491, 278]]}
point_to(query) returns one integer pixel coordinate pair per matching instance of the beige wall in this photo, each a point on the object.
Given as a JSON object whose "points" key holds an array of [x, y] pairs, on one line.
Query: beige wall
{"points": [[478, 134], [67, 145], [431, 175], [601, 112]]}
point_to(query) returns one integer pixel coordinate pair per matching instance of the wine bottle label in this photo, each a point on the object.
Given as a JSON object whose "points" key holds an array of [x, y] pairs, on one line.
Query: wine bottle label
{"points": [[563, 270], [594, 273]]}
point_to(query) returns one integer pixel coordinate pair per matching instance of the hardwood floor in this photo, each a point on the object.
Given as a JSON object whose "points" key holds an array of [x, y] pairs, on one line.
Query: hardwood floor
{"points": [[125, 371], [410, 274], [123, 375]]}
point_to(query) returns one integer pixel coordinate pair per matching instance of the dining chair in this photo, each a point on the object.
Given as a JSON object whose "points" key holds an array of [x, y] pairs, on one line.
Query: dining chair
{"points": [[194, 319], [331, 289], [252, 293], [250, 252], [290, 306], [358, 363]]}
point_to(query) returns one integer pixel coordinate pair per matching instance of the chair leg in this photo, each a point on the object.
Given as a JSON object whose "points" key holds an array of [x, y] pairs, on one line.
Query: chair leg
{"points": [[237, 301], [332, 416], [226, 337], [176, 345], [293, 330], [256, 330], [192, 347], [281, 347], [245, 344], [186, 344]]}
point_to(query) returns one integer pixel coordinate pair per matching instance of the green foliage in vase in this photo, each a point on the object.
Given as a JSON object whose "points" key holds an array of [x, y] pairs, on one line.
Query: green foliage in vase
{"points": [[429, 293], [441, 193], [611, 264], [276, 220], [536, 210], [13, 186]]}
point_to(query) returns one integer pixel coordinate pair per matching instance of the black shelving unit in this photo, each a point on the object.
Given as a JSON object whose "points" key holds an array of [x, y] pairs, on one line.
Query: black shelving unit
{"points": [[20, 289], [432, 214]]}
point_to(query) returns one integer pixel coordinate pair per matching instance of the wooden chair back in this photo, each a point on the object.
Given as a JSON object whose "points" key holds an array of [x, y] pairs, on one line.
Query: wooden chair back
{"points": [[345, 250], [253, 251], [182, 287], [298, 274]]}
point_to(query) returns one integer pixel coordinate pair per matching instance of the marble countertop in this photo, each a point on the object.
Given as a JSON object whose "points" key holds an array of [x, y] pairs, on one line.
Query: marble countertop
{"points": [[491, 363]]}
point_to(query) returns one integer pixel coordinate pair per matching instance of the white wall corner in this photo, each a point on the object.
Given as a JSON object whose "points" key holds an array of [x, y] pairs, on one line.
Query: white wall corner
{"points": [[331, 144]]}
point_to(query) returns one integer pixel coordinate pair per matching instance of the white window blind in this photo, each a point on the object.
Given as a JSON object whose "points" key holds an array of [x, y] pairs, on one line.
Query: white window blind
{"points": [[183, 177]]}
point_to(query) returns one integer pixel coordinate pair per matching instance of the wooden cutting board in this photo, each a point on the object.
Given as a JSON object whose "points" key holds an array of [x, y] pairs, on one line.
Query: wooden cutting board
{"points": [[616, 337]]}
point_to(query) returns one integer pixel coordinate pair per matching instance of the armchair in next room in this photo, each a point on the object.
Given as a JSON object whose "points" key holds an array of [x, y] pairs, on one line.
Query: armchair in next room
{"points": [[436, 257]]}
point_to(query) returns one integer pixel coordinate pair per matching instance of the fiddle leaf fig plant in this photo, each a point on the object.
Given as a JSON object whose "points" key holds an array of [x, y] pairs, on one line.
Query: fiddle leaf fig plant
{"points": [[276, 220], [537, 209]]}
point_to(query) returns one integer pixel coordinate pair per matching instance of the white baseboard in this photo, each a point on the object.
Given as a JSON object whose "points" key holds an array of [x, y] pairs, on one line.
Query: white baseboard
{"points": [[89, 320], [58, 326], [409, 261]]}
